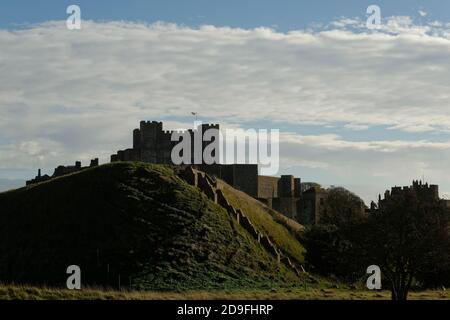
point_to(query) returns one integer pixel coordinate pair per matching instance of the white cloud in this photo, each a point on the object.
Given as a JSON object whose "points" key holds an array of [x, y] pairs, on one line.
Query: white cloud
{"points": [[69, 95], [367, 167], [356, 127], [334, 142]]}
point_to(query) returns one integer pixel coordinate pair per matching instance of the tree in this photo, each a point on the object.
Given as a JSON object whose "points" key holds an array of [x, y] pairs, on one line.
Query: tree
{"points": [[332, 251], [308, 185], [333, 246], [342, 208], [408, 238]]}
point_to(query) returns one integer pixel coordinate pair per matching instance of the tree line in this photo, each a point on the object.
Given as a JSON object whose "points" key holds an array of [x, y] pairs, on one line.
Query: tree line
{"points": [[406, 235]]}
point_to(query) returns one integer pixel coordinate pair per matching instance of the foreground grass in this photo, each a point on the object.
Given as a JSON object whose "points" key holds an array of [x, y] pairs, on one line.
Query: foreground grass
{"points": [[12, 292]]}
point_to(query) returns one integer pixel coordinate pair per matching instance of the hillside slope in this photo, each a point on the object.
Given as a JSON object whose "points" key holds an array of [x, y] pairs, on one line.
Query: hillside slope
{"points": [[278, 227], [136, 224]]}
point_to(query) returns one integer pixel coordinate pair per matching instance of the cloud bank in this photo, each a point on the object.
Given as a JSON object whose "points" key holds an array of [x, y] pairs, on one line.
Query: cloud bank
{"points": [[68, 95]]}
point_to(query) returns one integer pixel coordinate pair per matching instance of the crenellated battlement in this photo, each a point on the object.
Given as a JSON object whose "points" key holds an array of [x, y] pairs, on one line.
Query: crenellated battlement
{"points": [[61, 171], [152, 143], [421, 189]]}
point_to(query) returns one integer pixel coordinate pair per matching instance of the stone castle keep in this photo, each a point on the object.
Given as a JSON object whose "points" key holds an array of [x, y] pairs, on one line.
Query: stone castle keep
{"points": [[151, 143]]}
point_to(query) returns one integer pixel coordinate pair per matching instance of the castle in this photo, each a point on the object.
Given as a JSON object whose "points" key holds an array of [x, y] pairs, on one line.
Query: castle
{"points": [[424, 191], [286, 194], [151, 143], [61, 171]]}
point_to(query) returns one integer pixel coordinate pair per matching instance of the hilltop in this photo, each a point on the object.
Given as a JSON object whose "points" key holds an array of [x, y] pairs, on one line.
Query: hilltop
{"points": [[142, 226]]}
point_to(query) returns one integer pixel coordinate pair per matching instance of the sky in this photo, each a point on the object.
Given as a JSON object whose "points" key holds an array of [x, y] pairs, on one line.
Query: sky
{"points": [[359, 108], [285, 15]]}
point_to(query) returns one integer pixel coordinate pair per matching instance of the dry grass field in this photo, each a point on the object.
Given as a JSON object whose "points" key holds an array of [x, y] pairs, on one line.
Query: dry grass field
{"points": [[12, 292]]}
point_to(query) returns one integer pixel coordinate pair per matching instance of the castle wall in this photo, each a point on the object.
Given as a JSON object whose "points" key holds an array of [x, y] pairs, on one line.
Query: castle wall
{"points": [[312, 203], [246, 178], [224, 172], [422, 190], [434, 191], [136, 139], [190, 176], [266, 201], [61, 171], [281, 194], [94, 163], [286, 186], [205, 184], [297, 187], [241, 176], [288, 206], [267, 187], [150, 132], [155, 144], [164, 147], [131, 155]]}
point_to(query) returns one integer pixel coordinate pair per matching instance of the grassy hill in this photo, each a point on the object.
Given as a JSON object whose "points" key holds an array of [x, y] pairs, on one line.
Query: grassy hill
{"points": [[136, 224], [278, 227]]}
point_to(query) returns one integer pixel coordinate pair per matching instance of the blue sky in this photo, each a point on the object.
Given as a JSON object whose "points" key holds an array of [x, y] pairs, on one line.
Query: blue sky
{"points": [[362, 109], [285, 15]]}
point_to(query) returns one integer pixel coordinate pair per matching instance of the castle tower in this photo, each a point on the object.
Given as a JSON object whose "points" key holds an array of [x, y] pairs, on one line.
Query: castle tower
{"points": [[94, 163], [136, 139], [154, 145], [286, 186], [149, 138], [434, 191], [297, 187]]}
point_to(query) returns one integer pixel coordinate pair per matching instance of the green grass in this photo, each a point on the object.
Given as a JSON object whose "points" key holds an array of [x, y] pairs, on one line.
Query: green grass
{"points": [[279, 228], [13, 292], [141, 222]]}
